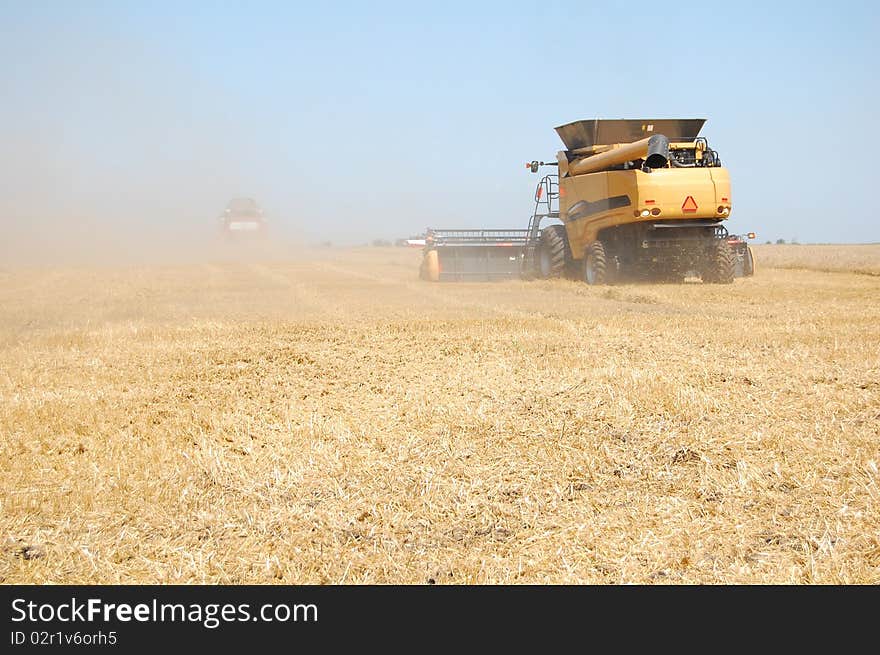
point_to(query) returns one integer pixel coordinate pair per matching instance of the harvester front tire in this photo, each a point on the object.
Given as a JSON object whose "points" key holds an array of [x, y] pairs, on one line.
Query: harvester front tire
{"points": [[553, 252], [720, 264], [430, 268], [596, 264]]}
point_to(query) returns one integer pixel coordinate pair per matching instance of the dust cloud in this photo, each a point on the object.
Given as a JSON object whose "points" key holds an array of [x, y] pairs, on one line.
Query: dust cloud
{"points": [[102, 241]]}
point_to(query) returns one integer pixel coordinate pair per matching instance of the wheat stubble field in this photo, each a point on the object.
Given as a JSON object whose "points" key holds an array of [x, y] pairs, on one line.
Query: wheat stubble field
{"points": [[328, 418]]}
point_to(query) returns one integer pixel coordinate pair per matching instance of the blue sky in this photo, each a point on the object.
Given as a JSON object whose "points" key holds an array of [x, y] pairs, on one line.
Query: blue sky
{"points": [[355, 121]]}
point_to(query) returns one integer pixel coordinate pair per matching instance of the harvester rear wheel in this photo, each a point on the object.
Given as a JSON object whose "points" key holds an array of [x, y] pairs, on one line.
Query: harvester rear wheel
{"points": [[553, 253], [720, 264], [596, 264]]}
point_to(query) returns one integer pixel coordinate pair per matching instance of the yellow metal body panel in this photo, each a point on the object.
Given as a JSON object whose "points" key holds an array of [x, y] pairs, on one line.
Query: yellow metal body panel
{"points": [[589, 203]]}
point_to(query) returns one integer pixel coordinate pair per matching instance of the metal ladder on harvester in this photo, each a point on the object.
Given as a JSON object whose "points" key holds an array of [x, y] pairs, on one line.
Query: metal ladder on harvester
{"points": [[546, 206]]}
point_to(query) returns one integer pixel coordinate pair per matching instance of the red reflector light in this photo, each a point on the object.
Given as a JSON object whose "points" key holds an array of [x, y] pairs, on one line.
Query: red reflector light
{"points": [[649, 202], [724, 200], [689, 204], [540, 192]]}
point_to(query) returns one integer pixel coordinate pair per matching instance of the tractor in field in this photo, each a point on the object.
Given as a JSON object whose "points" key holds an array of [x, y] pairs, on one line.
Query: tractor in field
{"points": [[630, 199], [243, 218]]}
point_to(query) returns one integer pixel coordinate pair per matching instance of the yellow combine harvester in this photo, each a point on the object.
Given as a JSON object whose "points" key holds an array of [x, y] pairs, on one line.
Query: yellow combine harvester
{"points": [[632, 198]]}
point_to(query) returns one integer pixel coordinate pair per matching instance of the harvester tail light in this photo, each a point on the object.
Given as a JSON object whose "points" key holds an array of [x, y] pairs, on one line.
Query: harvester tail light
{"points": [[751, 235]]}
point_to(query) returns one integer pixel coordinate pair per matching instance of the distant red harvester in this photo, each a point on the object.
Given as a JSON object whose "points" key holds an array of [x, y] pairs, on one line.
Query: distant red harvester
{"points": [[243, 218]]}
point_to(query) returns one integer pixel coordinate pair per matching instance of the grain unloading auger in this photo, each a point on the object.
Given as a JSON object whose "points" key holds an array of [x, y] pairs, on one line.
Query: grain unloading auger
{"points": [[630, 198]]}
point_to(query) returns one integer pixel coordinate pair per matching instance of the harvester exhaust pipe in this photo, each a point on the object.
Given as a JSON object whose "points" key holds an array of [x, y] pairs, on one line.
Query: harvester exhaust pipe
{"points": [[653, 149]]}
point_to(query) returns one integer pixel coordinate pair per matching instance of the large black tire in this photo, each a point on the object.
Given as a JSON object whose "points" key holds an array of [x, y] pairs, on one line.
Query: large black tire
{"points": [[748, 263], [596, 265], [554, 256], [720, 264]]}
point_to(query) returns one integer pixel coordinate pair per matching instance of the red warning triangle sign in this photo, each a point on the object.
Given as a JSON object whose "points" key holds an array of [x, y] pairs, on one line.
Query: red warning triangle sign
{"points": [[690, 205]]}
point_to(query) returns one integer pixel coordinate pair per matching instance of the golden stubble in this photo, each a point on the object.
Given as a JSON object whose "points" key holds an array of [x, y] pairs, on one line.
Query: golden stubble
{"points": [[328, 418]]}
